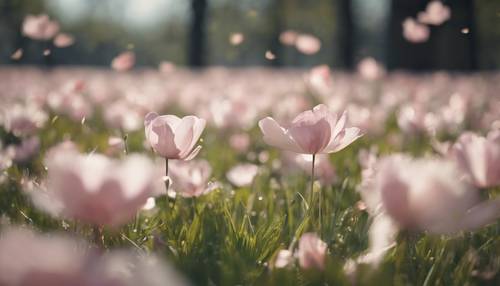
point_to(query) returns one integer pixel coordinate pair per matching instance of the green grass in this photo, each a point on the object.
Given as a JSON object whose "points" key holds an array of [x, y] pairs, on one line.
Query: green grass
{"points": [[231, 236]]}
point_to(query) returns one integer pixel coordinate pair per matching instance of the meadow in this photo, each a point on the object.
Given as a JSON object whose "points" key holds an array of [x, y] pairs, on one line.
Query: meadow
{"points": [[242, 211]]}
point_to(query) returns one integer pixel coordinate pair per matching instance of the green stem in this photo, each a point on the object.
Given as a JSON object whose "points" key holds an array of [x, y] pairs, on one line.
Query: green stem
{"points": [[167, 180]]}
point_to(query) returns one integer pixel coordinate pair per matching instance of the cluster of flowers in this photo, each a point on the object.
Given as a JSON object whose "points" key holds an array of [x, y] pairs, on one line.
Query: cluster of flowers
{"points": [[440, 194]]}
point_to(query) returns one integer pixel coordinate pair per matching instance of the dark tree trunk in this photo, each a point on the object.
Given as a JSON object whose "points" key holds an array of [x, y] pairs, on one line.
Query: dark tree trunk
{"points": [[345, 33], [197, 34]]}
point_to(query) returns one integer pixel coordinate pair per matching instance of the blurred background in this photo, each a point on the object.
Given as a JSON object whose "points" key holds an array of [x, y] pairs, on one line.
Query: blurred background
{"points": [[199, 33]]}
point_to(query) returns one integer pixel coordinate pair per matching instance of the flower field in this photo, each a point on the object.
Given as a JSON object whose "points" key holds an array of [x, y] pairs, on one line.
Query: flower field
{"points": [[248, 177]]}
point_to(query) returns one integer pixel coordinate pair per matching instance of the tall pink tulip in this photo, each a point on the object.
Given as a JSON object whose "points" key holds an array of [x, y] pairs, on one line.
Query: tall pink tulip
{"points": [[316, 131], [311, 132], [172, 137], [479, 157]]}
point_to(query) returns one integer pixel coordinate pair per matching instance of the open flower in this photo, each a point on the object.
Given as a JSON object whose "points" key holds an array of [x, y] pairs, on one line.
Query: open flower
{"points": [[479, 157], [95, 189], [311, 132], [311, 252], [173, 137]]}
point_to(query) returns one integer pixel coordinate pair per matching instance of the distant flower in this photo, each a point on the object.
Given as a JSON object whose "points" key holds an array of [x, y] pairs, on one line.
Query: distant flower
{"points": [[191, 179], [39, 27], [242, 175], [166, 67], [370, 69], [307, 44], [240, 142], [124, 61], [435, 14], [23, 120], [320, 78], [97, 190], [64, 40], [311, 251], [415, 32], [172, 137], [311, 132], [28, 148], [288, 37], [479, 157], [236, 39]]}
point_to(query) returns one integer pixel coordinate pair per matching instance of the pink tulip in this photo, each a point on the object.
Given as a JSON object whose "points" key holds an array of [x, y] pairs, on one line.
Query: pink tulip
{"points": [[190, 179], [166, 67], [435, 14], [426, 194], [415, 32], [307, 44], [311, 252], [30, 259], [124, 61], [173, 137], [97, 190], [242, 175], [64, 40], [311, 132], [39, 27], [320, 78], [479, 157]]}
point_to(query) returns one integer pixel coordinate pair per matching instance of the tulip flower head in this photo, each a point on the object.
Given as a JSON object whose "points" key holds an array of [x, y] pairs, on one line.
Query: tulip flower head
{"points": [[311, 132], [172, 137]]}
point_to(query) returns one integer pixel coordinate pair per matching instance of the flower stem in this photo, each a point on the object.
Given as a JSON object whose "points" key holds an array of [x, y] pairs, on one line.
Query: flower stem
{"points": [[167, 180], [311, 194], [98, 236]]}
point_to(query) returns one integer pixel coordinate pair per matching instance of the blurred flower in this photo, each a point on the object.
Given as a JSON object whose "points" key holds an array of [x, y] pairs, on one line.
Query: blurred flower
{"points": [[173, 137], [283, 259], [24, 119], [312, 132], [320, 78], [288, 37], [311, 251], [415, 32], [95, 189], [426, 194], [39, 27], [166, 67], [370, 69], [236, 39], [124, 61], [64, 40], [324, 170], [307, 44], [239, 142], [242, 175], [26, 150], [190, 179], [56, 260], [479, 157], [435, 14]]}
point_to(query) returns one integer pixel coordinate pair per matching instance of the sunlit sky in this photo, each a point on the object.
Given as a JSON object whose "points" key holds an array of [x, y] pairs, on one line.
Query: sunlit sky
{"points": [[132, 14]]}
